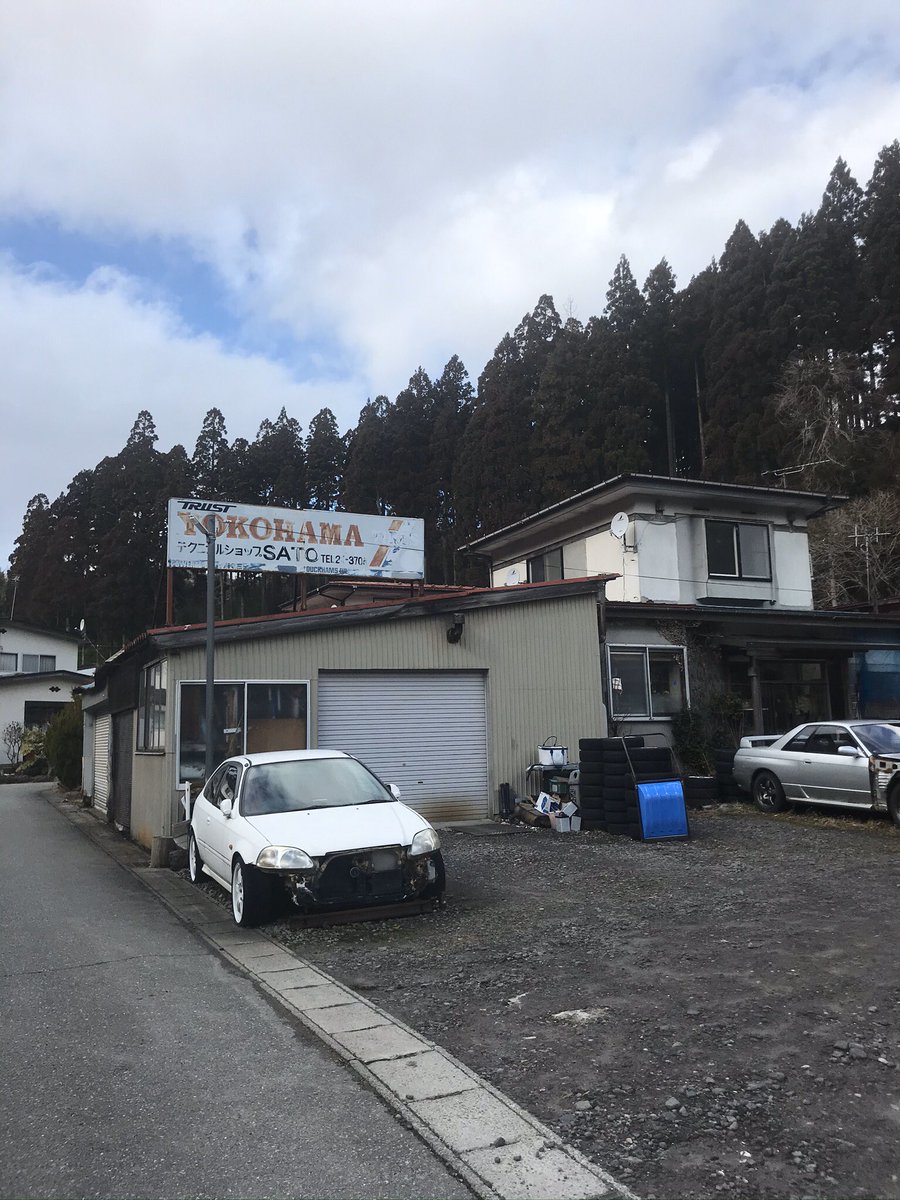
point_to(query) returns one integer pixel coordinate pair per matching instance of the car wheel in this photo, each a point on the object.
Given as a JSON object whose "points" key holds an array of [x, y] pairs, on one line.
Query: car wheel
{"points": [[248, 896], [768, 794], [893, 802], [195, 862]]}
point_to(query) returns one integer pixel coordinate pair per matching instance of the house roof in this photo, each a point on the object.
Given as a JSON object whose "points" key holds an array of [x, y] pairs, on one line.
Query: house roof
{"points": [[44, 677], [7, 626], [818, 630], [612, 492], [282, 624]]}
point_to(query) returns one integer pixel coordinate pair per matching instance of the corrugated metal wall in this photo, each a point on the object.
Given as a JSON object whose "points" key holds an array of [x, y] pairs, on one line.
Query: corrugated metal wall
{"points": [[542, 661]]}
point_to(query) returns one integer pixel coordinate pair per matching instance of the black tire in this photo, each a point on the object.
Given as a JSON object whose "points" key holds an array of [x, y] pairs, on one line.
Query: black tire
{"points": [[589, 791], [195, 862], [767, 792], [620, 795], [586, 777], [593, 825], [893, 803], [593, 814], [610, 743], [251, 896]]}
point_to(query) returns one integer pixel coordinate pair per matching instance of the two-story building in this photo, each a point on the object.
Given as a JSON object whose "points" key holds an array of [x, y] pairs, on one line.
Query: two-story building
{"points": [[712, 595], [38, 670]]}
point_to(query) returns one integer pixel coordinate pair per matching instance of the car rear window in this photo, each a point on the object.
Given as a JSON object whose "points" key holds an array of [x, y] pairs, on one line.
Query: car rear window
{"points": [[309, 783]]}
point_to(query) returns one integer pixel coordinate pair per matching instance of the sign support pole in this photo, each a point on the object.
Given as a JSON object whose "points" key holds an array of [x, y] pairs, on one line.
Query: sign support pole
{"points": [[209, 528]]}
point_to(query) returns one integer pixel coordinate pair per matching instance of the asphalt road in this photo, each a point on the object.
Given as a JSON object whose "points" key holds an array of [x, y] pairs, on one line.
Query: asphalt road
{"points": [[137, 1064]]}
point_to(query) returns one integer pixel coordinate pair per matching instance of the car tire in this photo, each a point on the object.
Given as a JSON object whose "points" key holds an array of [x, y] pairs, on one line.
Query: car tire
{"points": [[768, 794], [250, 896], [893, 803], [195, 862]]}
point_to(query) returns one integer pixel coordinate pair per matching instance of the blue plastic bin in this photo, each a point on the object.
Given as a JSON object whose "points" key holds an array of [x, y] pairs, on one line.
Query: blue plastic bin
{"points": [[663, 811]]}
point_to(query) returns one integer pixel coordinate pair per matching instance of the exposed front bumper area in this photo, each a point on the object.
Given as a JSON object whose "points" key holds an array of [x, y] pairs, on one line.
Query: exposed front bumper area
{"points": [[883, 772], [379, 875]]}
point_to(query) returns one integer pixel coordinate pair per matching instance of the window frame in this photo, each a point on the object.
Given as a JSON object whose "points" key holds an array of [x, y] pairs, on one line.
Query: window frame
{"points": [[15, 662], [542, 558], [245, 684], [46, 664], [645, 649], [150, 730], [739, 572]]}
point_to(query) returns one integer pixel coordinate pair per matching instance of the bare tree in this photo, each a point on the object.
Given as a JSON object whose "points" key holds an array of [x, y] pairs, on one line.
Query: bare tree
{"points": [[12, 740], [855, 551]]}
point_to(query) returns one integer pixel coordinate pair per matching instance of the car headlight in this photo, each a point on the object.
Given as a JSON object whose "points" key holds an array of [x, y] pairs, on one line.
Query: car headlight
{"points": [[426, 841], [284, 858]]}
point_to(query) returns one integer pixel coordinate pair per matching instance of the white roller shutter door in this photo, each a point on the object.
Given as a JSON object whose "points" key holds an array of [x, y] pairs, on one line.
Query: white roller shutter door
{"points": [[102, 726], [425, 731]]}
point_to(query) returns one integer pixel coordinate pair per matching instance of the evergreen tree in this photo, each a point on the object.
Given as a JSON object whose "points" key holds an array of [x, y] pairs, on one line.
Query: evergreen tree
{"points": [[324, 460], [453, 397], [29, 562], [278, 463], [365, 480], [880, 227], [408, 429], [209, 461], [659, 296]]}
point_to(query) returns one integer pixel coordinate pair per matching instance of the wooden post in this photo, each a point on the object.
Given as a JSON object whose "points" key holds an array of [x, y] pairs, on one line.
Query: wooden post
{"points": [[170, 595]]}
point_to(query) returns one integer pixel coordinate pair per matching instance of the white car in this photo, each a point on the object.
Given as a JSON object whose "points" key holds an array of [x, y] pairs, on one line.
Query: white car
{"points": [[316, 825]]}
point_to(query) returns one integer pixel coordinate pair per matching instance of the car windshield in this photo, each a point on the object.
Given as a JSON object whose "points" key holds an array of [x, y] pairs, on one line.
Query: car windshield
{"points": [[309, 783], [881, 739]]}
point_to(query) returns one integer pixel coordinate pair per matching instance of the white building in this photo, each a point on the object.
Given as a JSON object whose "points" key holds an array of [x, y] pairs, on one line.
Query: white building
{"points": [[713, 596], [38, 670]]}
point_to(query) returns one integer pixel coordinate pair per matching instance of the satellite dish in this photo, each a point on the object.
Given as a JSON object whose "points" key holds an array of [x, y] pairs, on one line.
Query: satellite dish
{"points": [[618, 526], [512, 577]]}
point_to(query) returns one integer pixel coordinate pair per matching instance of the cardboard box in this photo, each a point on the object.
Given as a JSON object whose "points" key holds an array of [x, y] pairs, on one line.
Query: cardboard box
{"points": [[560, 824], [546, 804], [569, 809]]}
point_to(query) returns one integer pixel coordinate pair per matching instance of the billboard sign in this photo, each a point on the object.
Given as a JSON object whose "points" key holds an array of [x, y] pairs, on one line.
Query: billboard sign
{"points": [[253, 537]]}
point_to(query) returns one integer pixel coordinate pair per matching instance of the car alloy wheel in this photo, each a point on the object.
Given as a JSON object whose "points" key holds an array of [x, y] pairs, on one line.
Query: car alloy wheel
{"points": [[768, 794], [195, 863], [237, 893]]}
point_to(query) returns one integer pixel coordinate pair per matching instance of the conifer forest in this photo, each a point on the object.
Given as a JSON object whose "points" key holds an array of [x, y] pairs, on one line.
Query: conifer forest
{"points": [[783, 354]]}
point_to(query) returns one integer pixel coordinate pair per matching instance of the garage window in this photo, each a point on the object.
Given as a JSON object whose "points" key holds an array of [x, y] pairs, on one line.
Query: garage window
{"points": [[151, 722], [248, 717], [646, 681]]}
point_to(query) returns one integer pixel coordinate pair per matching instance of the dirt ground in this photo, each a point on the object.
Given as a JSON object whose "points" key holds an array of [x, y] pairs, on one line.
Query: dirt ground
{"points": [[716, 1016]]}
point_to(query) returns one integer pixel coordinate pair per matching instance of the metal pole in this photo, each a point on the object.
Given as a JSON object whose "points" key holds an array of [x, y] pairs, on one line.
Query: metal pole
{"points": [[210, 531]]}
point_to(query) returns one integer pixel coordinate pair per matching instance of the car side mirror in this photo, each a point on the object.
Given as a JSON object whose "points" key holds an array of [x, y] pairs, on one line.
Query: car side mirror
{"points": [[849, 752], [394, 790], [225, 808]]}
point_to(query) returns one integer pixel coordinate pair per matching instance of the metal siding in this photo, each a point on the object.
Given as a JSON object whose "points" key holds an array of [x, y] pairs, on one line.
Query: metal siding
{"points": [[425, 731], [102, 727], [542, 659]]}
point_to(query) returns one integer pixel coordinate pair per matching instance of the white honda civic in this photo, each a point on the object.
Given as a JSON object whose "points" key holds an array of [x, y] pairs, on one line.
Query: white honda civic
{"points": [[315, 825]]}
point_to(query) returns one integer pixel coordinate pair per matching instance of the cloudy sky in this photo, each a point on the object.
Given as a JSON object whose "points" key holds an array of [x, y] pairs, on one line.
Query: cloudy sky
{"points": [[257, 203]]}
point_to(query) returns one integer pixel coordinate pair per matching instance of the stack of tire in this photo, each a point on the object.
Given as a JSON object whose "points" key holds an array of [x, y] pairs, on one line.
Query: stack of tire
{"points": [[609, 771], [729, 792]]}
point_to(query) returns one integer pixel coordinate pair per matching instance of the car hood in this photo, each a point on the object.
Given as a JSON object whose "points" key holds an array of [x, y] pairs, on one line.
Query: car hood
{"points": [[321, 831]]}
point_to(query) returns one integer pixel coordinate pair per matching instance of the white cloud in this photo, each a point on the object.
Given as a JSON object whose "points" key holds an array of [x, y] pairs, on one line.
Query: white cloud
{"points": [[76, 367], [399, 180]]}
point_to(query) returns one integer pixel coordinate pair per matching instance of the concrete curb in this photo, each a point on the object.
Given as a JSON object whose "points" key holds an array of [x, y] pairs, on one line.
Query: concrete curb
{"points": [[497, 1148]]}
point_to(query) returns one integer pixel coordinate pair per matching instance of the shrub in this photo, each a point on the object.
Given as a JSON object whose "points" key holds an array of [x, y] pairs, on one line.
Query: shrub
{"points": [[699, 730], [13, 733], [63, 745]]}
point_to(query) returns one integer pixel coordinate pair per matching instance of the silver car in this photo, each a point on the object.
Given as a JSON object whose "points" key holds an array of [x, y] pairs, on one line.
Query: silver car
{"points": [[850, 763]]}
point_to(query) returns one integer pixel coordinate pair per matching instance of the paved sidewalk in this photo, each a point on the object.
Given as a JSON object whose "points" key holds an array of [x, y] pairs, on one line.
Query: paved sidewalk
{"points": [[500, 1150]]}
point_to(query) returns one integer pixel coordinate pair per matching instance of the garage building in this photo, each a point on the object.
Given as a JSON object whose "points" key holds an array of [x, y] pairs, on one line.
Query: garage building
{"points": [[447, 696]]}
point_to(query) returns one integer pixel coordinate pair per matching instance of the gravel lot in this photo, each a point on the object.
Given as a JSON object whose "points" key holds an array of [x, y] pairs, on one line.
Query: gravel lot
{"points": [[733, 1000]]}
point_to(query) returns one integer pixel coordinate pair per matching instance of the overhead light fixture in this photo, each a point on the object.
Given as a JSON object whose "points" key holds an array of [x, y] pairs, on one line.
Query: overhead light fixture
{"points": [[454, 633]]}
